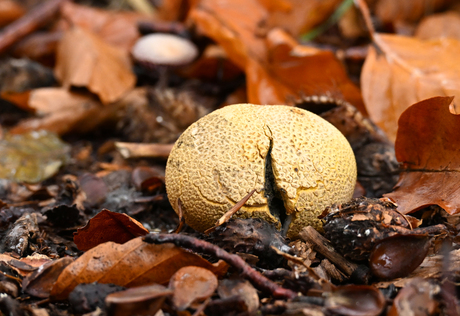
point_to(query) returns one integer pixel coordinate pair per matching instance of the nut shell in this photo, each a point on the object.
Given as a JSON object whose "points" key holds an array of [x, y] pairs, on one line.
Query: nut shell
{"points": [[223, 156]]}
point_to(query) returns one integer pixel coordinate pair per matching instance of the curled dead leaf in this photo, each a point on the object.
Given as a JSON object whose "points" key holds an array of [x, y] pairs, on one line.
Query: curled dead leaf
{"points": [[108, 226]]}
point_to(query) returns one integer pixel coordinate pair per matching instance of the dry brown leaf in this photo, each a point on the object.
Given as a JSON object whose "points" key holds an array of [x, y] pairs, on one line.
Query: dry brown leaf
{"points": [[299, 16], [405, 70], [191, 284], [61, 111], [25, 266], [228, 24], [436, 26], [428, 146], [142, 300], [116, 28], [10, 11], [38, 46], [108, 226], [242, 288], [85, 60], [278, 70], [410, 11], [134, 263], [174, 10], [40, 282], [417, 294]]}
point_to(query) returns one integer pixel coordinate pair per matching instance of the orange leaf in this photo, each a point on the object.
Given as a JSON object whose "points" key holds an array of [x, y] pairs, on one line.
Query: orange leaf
{"points": [[10, 11], [134, 263], [436, 26], [228, 24], [299, 16], [429, 147], [404, 71], [108, 226], [85, 60], [411, 11], [116, 28]]}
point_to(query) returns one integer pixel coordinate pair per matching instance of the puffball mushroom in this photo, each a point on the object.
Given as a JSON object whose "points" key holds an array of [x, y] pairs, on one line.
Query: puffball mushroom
{"points": [[297, 162]]}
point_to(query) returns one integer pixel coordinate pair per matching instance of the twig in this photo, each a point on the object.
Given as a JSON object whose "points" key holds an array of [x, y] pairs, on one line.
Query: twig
{"points": [[226, 217], [140, 150], [367, 17], [30, 22], [197, 245], [181, 224]]}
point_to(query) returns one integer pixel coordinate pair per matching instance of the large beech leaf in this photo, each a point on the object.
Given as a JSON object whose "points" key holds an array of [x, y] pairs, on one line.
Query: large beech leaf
{"points": [[428, 146], [134, 263], [402, 71]]}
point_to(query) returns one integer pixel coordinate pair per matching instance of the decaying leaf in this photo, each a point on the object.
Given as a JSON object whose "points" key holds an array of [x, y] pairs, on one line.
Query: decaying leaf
{"points": [[142, 300], [40, 282], [32, 157], [410, 11], [298, 16], [191, 284], [61, 111], [240, 288], [85, 60], [10, 11], [441, 25], [404, 70], [134, 263], [108, 226], [356, 300], [116, 28], [25, 266], [418, 295], [428, 146]]}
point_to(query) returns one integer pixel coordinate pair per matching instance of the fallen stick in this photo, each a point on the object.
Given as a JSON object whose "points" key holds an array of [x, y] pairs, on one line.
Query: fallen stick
{"points": [[198, 245]]}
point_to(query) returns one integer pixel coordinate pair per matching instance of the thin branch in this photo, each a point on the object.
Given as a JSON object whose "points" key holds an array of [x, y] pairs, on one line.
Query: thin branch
{"points": [[201, 246]]}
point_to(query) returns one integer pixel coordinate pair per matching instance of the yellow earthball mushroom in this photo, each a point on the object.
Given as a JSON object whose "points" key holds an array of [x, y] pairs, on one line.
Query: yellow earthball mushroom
{"points": [[298, 163]]}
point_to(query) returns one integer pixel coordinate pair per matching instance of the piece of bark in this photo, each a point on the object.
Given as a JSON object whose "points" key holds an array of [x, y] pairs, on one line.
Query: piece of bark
{"points": [[323, 246]]}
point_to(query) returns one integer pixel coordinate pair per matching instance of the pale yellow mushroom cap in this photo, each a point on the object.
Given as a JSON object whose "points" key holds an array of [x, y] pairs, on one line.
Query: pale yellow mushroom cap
{"points": [[223, 156]]}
